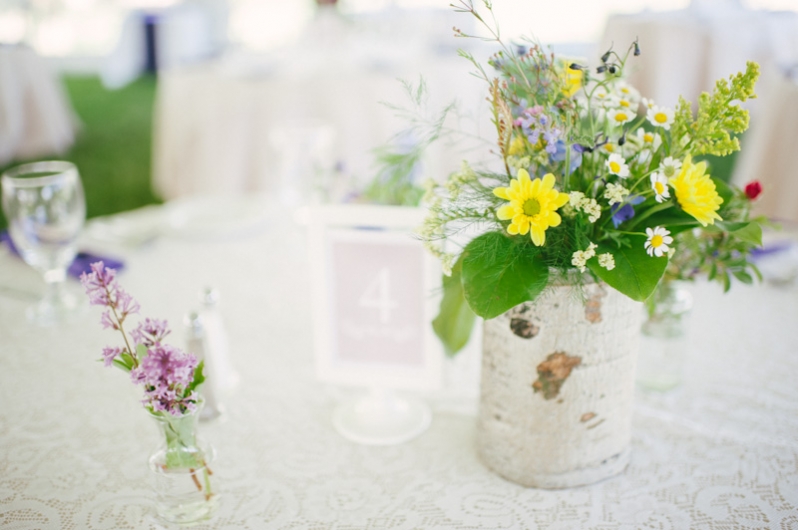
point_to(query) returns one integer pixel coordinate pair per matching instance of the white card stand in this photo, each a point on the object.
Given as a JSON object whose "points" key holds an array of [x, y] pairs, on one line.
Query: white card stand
{"points": [[375, 293], [381, 418]]}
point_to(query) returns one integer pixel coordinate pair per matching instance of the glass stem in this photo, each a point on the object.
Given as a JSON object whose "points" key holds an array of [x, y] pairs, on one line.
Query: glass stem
{"points": [[54, 286]]}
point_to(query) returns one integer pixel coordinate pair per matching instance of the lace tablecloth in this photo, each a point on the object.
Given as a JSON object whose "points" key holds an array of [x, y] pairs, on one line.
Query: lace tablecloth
{"points": [[720, 452]]}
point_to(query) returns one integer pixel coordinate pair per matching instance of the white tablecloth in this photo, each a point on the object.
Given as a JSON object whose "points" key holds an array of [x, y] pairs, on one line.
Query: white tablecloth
{"points": [[684, 52], [218, 126], [720, 452], [35, 116]]}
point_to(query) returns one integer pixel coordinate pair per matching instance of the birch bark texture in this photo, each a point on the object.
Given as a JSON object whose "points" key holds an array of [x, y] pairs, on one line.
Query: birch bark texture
{"points": [[557, 387]]}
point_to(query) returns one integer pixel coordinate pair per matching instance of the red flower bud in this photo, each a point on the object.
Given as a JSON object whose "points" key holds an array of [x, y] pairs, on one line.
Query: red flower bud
{"points": [[753, 189]]}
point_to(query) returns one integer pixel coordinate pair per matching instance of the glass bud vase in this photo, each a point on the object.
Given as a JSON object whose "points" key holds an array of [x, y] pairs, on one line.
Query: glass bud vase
{"points": [[183, 480], [664, 343]]}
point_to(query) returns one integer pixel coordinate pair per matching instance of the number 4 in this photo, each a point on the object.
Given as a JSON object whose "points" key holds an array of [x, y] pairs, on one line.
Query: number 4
{"points": [[378, 295]]}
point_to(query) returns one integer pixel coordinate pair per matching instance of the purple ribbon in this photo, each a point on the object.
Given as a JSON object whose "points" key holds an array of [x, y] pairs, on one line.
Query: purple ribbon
{"points": [[81, 262]]}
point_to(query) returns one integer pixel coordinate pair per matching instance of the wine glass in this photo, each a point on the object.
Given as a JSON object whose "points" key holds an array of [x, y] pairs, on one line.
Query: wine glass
{"points": [[45, 208]]}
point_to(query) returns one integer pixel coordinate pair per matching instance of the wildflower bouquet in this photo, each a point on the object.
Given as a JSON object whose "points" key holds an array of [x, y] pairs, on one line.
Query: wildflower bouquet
{"points": [[596, 182]]}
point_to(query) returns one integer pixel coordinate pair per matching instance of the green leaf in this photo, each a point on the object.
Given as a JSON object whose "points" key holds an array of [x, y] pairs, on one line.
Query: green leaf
{"points": [[500, 273], [636, 274], [199, 378], [455, 320], [748, 232], [141, 351], [119, 364], [724, 190], [674, 219], [743, 277]]}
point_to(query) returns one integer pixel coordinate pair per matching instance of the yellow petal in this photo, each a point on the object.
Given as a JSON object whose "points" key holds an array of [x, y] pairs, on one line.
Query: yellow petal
{"points": [[538, 236], [523, 227], [501, 193], [553, 219], [561, 199], [505, 212], [523, 175], [512, 229], [548, 181], [534, 190]]}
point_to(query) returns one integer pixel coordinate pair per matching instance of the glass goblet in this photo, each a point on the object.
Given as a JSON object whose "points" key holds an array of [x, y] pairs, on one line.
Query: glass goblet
{"points": [[45, 208]]}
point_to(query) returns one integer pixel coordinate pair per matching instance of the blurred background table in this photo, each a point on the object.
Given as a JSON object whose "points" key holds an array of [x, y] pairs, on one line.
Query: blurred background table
{"points": [[35, 116], [230, 126], [719, 452]]}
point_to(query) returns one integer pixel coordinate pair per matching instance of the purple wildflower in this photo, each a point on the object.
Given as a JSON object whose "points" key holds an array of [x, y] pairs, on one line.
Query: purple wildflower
{"points": [[625, 212], [109, 354]]}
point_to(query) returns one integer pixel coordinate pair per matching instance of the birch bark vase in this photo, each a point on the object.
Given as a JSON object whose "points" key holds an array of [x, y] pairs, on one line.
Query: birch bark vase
{"points": [[557, 387]]}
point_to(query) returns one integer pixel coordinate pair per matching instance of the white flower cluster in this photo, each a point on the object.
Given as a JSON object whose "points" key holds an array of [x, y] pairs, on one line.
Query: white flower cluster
{"points": [[458, 179], [615, 193], [432, 234], [579, 202], [607, 261], [580, 257]]}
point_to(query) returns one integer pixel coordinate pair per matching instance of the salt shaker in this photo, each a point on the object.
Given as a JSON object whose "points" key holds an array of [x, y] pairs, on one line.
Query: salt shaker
{"points": [[216, 339], [197, 343]]}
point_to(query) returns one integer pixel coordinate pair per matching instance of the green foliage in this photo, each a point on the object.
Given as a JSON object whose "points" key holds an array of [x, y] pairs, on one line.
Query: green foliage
{"points": [[113, 146], [636, 274], [400, 161], [499, 273], [455, 320], [720, 115], [199, 378]]}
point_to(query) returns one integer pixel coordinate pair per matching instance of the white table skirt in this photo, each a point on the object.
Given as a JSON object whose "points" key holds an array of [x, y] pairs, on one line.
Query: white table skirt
{"points": [[684, 52], [36, 118], [720, 452]]}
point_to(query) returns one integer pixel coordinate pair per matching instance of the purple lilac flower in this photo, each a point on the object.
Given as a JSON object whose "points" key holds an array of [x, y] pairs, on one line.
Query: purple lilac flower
{"points": [[164, 371], [109, 354], [150, 332], [625, 212]]}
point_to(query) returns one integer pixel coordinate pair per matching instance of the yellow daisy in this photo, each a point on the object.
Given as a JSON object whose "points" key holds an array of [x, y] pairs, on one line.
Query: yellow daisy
{"points": [[533, 205], [696, 192], [573, 81]]}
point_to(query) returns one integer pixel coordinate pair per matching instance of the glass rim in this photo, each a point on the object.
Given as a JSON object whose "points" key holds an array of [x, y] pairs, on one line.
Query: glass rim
{"points": [[58, 167]]}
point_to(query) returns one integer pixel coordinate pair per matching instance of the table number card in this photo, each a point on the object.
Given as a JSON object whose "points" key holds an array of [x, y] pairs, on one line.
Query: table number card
{"points": [[375, 293]]}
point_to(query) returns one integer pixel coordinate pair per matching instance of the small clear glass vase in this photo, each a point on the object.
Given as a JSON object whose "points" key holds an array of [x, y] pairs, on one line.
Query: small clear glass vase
{"points": [[183, 480], [663, 344]]}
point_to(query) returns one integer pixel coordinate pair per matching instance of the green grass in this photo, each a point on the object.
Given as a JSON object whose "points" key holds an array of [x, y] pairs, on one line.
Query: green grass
{"points": [[113, 147]]}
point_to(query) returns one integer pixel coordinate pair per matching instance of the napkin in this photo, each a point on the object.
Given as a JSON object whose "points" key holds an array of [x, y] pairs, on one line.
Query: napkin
{"points": [[81, 262]]}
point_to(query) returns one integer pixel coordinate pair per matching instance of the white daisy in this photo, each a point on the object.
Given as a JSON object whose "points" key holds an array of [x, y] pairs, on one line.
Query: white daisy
{"points": [[648, 103], [621, 116], [647, 139], [617, 165], [659, 183], [658, 241], [615, 193], [607, 261], [660, 117], [627, 91], [609, 147], [670, 167]]}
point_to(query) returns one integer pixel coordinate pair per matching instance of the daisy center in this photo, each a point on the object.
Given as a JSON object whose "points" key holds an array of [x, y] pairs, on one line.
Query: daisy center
{"points": [[656, 241], [609, 147], [648, 138], [531, 207], [659, 187], [615, 167], [621, 116], [660, 117], [624, 103], [669, 171]]}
